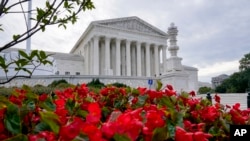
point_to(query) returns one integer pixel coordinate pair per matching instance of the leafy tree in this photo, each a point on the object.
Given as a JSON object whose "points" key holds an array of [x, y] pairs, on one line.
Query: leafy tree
{"points": [[238, 82], [204, 90], [245, 62], [53, 12]]}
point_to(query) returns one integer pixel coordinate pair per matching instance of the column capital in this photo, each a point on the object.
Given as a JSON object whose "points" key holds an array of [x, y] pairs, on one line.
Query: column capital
{"points": [[107, 37]]}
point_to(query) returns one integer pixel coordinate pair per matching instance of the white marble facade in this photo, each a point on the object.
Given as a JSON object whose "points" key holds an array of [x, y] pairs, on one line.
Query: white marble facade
{"points": [[125, 49], [122, 47]]}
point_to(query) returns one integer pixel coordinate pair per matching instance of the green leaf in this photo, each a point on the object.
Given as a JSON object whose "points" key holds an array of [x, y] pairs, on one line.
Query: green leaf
{"points": [[26, 70], [66, 4], [12, 119], [81, 113], [70, 106], [3, 64], [42, 126], [33, 54], [3, 102], [54, 18], [51, 119], [160, 134], [31, 105], [19, 137], [23, 54], [159, 85], [171, 129], [119, 137], [48, 105], [15, 37], [142, 99], [42, 55]]}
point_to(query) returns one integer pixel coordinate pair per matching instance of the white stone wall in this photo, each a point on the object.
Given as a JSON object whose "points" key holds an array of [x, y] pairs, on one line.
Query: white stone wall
{"points": [[70, 66], [73, 79]]}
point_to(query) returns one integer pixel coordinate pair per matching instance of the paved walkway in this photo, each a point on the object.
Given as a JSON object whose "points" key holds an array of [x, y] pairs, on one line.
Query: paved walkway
{"points": [[231, 99]]}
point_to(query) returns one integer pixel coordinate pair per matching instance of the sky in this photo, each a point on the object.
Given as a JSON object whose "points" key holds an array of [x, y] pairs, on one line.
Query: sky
{"points": [[213, 34]]}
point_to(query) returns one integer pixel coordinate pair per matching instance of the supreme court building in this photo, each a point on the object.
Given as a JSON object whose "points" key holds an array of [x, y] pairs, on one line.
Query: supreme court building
{"points": [[127, 50]]}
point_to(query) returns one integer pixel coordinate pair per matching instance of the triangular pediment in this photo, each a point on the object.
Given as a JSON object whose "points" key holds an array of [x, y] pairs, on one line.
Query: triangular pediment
{"points": [[134, 24]]}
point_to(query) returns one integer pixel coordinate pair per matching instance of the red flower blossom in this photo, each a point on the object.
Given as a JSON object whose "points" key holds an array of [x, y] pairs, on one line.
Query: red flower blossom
{"points": [[209, 114], [169, 91], [94, 115], [192, 93], [93, 132], [182, 135], [70, 131], [217, 98], [43, 97], [43, 135], [142, 90]]}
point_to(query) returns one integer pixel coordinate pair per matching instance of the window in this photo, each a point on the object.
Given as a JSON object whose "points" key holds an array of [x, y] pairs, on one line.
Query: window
{"points": [[67, 73], [77, 73]]}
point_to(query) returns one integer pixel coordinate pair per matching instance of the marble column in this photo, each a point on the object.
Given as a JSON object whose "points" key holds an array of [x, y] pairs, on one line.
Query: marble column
{"points": [[107, 56], [123, 59], [156, 55], [95, 54], [86, 58], [147, 59], [91, 48], [143, 61], [118, 57], [113, 57], [133, 60], [102, 57], [128, 58], [138, 59], [164, 58]]}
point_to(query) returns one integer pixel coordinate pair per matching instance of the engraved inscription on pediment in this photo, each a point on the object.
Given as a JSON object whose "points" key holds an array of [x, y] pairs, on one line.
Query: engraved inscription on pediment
{"points": [[132, 25]]}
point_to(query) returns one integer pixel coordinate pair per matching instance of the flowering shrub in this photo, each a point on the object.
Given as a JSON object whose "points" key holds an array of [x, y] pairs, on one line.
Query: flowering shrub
{"points": [[119, 114]]}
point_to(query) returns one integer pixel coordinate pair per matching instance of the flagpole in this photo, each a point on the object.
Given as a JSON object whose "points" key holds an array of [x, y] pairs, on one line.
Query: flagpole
{"points": [[28, 42]]}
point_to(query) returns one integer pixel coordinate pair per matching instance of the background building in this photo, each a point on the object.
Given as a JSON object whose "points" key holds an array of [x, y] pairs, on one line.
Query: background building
{"points": [[126, 49], [216, 81]]}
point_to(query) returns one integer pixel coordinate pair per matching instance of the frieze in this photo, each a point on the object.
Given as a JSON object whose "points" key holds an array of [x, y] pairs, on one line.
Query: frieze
{"points": [[111, 32], [132, 25]]}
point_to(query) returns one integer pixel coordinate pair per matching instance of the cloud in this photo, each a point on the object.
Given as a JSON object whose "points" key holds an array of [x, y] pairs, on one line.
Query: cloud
{"points": [[211, 33], [218, 68]]}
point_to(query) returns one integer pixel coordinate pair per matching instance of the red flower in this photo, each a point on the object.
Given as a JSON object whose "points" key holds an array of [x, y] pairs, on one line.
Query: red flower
{"points": [[43, 135], [69, 132], [210, 114], [154, 120], [217, 98], [94, 115], [142, 90], [169, 91], [93, 132], [135, 99], [108, 129], [43, 97], [182, 135], [192, 93], [200, 136]]}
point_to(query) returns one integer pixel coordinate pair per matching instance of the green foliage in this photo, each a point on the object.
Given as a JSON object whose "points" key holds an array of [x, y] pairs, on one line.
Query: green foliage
{"points": [[57, 82], [119, 85], [204, 90], [50, 13], [238, 82], [245, 62], [12, 119], [22, 62], [41, 90], [5, 91], [96, 83]]}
